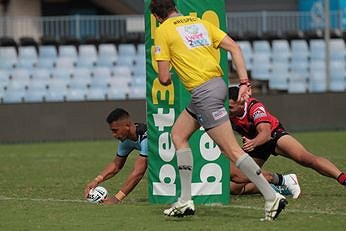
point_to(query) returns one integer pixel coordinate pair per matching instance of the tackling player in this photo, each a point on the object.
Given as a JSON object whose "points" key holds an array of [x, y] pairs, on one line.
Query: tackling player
{"points": [[131, 136], [263, 135]]}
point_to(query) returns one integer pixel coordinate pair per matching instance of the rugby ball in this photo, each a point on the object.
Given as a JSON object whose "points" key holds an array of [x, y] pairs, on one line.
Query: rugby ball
{"points": [[97, 195]]}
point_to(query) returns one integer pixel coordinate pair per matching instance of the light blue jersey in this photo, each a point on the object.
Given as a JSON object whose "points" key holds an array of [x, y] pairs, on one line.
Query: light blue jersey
{"points": [[141, 144]]}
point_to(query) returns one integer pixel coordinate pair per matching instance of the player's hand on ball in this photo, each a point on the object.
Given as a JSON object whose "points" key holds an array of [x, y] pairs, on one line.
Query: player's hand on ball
{"points": [[88, 187], [110, 201], [97, 195]]}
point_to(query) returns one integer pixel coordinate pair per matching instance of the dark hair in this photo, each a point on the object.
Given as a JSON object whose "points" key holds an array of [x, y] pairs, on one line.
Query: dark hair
{"points": [[117, 114], [162, 7], [233, 93]]}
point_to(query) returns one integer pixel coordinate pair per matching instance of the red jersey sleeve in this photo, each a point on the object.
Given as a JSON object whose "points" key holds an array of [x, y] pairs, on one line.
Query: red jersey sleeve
{"points": [[259, 114]]}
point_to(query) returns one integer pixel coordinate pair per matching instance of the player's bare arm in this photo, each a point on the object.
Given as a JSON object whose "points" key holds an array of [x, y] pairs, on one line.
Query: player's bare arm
{"points": [[164, 75], [111, 170], [237, 58], [263, 136], [131, 182]]}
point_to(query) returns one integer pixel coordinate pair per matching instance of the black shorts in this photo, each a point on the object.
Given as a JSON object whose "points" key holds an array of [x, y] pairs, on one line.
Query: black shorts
{"points": [[265, 150]]}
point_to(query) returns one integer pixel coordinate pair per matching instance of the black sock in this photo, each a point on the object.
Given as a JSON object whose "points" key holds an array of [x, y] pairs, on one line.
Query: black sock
{"points": [[277, 179]]}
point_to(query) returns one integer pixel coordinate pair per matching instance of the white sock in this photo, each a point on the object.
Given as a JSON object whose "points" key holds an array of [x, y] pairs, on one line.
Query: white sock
{"points": [[185, 164], [249, 167]]}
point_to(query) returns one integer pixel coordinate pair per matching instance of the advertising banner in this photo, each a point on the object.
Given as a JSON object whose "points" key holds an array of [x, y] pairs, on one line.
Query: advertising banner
{"points": [[210, 180]]}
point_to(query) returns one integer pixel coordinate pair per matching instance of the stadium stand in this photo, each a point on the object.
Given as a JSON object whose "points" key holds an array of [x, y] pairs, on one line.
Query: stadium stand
{"points": [[104, 69]]}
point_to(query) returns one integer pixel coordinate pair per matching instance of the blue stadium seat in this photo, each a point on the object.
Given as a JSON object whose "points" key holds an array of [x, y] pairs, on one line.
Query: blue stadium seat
{"points": [[41, 74], [317, 82], [299, 50], [21, 74], [87, 56], [126, 49], [26, 63], [100, 83], [87, 50], [95, 94], [279, 77], [297, 83], [101, 72], [81, 78], [317, 65], [57, 89], [139, 70], [37, 91], [247, 52], [261, 66], [116, 94], [68, 51], [48, 51], [27, 57], [75, 94], [120, 82], [138, 81], [27, 52], [4, 80], [4, 74], [125, 60], [8, 58], [45, 63], [337, 50], [299, 66], [122, 71], [261, 46], [139, 59], [13, 96], [141, 49], [47, 56], [281, 51], [137, 93], [65, 62], [86, 62], [107, 55], [62, 73], [107, 50], [337, 82], [317, 49]]}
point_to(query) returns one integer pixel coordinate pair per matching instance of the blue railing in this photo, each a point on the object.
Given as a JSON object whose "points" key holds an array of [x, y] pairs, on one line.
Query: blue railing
{"points": [[117, 26]]}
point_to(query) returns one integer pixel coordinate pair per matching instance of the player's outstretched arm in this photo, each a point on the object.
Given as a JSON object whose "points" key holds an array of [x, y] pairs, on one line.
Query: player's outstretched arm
{"points": [[111, 170], [263, 136], [237, 58], [131, 182]]}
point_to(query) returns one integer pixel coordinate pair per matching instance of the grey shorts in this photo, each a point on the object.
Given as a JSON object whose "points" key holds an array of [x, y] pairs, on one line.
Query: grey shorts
{"points": [[207, 103]]}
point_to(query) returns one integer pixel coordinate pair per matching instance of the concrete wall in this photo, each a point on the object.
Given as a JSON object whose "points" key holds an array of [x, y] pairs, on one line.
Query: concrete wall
{"points": [[62, 121], [86, 120]]}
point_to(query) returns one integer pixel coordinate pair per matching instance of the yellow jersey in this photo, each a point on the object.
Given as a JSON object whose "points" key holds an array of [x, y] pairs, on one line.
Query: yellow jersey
{"points": [[188, 42]]}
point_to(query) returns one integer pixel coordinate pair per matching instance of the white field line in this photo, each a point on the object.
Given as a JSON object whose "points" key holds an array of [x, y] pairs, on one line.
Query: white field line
{"points": [[2, 198]]}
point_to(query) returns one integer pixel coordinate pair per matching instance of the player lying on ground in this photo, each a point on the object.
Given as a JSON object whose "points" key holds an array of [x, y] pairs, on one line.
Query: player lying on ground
{"points": [[131, 136], [263, 135]]}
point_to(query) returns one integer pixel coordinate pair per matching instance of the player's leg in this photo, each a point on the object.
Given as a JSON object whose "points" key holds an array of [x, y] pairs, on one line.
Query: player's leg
{"points": [[289, 147], [224, 137], [241, 185], [182, 129]]}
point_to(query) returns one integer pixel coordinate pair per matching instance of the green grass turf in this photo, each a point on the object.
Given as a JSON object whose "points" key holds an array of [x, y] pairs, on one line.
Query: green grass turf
{"points": [[41, 187]]}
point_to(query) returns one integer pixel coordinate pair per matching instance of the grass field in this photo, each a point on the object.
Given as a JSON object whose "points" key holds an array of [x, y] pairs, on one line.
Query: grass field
{"points": [[41, 188]]}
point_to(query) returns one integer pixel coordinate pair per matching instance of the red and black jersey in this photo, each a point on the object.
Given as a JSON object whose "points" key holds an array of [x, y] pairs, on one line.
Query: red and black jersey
{"points": [[254, 114]]}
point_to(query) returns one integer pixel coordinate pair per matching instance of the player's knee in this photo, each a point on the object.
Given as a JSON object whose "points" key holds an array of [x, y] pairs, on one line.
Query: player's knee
{"points": [[178, 140]]}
